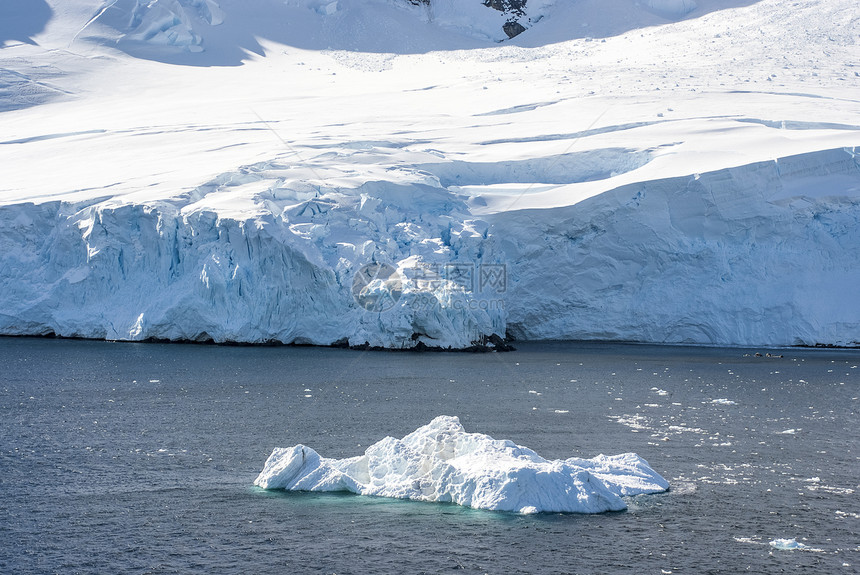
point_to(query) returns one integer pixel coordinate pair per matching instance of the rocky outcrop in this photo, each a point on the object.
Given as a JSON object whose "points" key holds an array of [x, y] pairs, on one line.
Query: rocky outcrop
{"points": [[517, 18], [515, 10], [516, 7]]}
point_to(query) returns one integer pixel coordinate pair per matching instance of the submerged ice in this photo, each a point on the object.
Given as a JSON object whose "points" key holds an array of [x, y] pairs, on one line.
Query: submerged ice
{"points": [[442, 462]]}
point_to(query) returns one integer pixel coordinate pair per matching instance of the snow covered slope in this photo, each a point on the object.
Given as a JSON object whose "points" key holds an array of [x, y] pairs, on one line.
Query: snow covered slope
{"points": [[441, 462], [387, 173]]}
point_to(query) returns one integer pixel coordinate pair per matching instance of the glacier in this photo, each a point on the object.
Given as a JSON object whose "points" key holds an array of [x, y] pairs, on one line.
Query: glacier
{"points": [[284, 276], [441, 462], [756, 254], [202, 170], [717, 258]]}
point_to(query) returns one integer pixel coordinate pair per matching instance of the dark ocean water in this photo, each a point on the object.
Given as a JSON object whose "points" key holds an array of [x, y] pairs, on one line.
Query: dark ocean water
{"points": [[140, 458]]}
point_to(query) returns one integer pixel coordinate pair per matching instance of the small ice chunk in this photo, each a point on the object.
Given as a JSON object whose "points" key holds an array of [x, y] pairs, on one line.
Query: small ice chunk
{"points": [[786, 544], [723, 401]]}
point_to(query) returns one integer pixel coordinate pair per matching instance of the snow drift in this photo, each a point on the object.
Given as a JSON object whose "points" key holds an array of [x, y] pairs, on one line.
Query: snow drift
{"points": [[441, 462]]}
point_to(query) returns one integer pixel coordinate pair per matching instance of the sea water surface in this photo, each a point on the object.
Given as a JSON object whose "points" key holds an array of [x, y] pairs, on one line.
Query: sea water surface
{"points": [[140, 458]]}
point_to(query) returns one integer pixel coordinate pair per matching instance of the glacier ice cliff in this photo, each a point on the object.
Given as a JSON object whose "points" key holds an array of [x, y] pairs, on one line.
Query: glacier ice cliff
{"points": [[441, 462], [762, 254], [280, 269]]}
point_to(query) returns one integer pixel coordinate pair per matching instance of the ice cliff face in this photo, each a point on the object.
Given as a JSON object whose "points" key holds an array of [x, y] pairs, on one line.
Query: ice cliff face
{"points": [[286, 268], [760, 254], [178, 23]]}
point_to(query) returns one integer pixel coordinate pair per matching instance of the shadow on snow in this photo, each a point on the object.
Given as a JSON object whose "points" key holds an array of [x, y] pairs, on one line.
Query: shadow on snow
{"points": [[374, 27]]}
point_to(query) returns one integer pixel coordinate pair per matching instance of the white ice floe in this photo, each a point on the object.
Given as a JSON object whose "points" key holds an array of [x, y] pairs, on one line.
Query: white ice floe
{"points": [[786, 544], [442, 462], [792, 545]]}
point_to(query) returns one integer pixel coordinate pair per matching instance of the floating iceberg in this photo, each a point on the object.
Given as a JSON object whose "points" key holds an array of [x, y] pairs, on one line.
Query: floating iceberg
{"points": [[723, 401], [442, 462]]}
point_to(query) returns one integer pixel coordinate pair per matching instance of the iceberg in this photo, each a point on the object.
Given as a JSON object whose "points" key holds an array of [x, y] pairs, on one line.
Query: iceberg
{"points": [[441, 462]]}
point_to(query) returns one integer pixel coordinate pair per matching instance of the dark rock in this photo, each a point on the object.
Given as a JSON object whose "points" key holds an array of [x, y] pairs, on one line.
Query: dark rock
{"points": [[514, 9], [507, 6], [513, 28], [499, 343]]}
